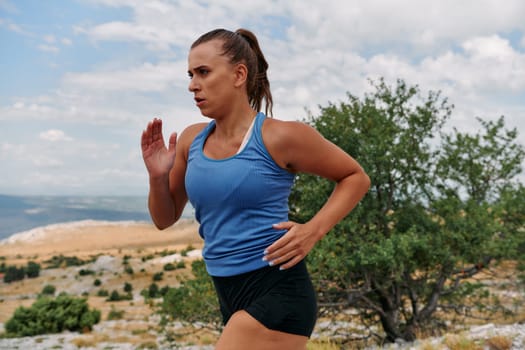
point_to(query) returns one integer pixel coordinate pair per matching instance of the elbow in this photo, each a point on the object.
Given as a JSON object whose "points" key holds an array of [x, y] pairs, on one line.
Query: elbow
{"points": [[161, 226], [366, 181], [166, 223]]}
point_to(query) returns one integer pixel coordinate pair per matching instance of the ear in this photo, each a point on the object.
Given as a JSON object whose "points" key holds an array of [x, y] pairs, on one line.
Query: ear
{"points": [[241, 74]]}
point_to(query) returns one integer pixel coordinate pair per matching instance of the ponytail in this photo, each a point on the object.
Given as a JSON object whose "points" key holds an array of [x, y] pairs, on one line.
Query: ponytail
{"points": [[242, 46]]}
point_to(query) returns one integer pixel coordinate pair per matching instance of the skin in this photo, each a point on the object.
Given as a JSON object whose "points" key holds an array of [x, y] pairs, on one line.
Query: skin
{"points": [[219, 89]]}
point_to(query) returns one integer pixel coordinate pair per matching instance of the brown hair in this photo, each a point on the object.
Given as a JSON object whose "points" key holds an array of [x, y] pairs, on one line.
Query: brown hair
{"points": [[242, 46]]}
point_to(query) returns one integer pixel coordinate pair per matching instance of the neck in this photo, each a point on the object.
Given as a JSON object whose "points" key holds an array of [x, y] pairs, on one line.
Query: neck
{"points": [[234, 124]]}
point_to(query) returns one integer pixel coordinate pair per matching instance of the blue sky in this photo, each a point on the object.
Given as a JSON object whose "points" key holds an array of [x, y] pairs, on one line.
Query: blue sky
{"points": [[79, 80]]}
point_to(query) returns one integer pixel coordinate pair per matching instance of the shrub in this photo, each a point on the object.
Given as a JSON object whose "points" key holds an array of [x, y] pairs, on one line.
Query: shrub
{"points": [[115, 314], [32, 269], [151, 292], [195, 300], [128, 287], [84, 272], [97, 282], [116, 296], [13, 273], [102, 293], [48, 290], [158, 276], [52, 315], [61, 261], [169, 267]]}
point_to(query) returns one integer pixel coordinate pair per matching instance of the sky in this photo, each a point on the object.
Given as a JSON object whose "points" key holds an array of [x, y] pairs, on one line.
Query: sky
{"points": [[80, 79]]}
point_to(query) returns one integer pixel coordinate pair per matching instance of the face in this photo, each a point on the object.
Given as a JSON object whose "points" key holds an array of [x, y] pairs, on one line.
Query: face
{"points": [[212, 78]]}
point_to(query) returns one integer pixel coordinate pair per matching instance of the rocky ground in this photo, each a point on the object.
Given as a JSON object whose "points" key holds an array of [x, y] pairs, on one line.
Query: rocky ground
{"points": [[138, 327]]}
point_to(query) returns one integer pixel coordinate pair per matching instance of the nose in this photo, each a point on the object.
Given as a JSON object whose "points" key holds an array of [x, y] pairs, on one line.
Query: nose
{"points": [[193, 85]]}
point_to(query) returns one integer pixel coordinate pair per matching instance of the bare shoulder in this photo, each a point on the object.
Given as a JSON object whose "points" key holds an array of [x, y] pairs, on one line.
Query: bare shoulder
{"points": [[187, 136], [287, 139], [285, 133]]}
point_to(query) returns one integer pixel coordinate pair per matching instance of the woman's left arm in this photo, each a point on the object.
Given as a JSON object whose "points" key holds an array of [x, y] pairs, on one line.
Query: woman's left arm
{"points": [[300, 148]]}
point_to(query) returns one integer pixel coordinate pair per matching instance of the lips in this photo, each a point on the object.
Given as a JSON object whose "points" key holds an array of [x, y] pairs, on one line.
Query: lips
{"points": [[199, 101]]}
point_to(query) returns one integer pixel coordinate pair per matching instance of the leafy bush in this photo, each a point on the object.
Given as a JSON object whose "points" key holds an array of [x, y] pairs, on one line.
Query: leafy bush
{"points": [[195, 300], [102, 293], [48, 290], [116, 296], [32, 269], [97, 282], [115, 314], [52, 315], [86, 272], [169, 267], [13, 273], [128, 288], [65, 261], [158, 276]]}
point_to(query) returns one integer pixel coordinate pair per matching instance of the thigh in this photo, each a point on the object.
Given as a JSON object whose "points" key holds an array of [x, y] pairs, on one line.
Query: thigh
{"points": [[280, 300], [244, 332]]}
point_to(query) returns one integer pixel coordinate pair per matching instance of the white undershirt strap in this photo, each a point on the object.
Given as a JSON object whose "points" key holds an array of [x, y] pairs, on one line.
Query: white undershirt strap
{"points": [[246, 136]]}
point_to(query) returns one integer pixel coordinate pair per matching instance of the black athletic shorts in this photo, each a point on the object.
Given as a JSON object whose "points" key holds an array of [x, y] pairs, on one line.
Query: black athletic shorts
{"points": [[281, 300]]}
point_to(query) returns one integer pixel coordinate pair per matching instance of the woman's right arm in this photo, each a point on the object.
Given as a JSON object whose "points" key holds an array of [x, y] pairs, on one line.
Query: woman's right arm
{"points": [[166, 168]]}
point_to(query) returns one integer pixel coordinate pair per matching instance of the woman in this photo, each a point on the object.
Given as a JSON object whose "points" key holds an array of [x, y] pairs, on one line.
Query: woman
{"points": [[237, 171]]}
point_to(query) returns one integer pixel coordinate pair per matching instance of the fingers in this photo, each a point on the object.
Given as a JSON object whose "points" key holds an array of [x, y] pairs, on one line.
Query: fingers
{"points": [[152, 133], [172, 142], [156, 129], [290, 249]]}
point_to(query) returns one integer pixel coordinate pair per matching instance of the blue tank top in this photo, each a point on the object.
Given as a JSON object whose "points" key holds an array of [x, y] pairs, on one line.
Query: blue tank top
{"points": [[236, 202]]}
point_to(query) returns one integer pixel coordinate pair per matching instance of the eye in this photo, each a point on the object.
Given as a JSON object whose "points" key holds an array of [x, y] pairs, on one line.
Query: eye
{"points": [[203, 71], [190, 75]]}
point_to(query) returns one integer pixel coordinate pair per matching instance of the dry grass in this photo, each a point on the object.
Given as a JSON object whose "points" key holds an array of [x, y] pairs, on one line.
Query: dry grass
{"points": [[461, 342], [498, 342], [322, 344]]}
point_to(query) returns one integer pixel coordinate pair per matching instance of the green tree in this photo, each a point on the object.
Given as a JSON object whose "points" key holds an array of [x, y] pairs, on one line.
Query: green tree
{"points": [[52, 315], [439, 208]]}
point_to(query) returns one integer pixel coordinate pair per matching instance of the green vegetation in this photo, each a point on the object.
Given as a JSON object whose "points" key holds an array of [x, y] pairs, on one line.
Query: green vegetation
{"points": [[443, 205], [48, 290], [115, 314], [158, 276], [32, 269], [102, 293], [52, 315], [85, 272], [194, 301], [116, 296], [65, 261], [14, 273], [171, 266]]}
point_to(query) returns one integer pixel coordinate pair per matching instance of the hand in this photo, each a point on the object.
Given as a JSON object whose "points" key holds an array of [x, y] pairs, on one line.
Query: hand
{"points": [[158, 159], [292, 247]]}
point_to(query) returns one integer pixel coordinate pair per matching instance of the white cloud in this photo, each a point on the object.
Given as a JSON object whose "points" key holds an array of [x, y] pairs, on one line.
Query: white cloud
{"points": [[317, 52], [54, 135], [48, 48], [50, 39], [146, 77]]}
